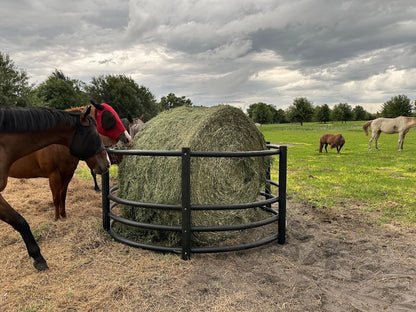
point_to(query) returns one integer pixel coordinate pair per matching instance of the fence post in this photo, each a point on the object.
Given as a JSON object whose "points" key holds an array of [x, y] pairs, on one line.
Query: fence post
{"points": [[105, 186], [186, 203], [267, 189], [282, 194]]}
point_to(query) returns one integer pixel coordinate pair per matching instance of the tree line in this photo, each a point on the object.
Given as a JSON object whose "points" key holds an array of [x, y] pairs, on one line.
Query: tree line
{"points": [[302, 110], [61, 92], [127, 97]]}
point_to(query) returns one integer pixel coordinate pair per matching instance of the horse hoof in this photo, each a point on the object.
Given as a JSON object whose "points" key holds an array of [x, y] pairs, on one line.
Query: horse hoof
{"points": [[40, 265]]}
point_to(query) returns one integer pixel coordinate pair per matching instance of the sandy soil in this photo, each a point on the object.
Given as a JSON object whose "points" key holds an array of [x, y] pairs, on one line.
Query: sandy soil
{"points": [[336, 262]]}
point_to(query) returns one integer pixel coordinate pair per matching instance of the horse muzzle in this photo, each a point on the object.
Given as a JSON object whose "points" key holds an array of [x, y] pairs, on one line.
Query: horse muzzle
{"points": [[125, 138], [99, 163]]}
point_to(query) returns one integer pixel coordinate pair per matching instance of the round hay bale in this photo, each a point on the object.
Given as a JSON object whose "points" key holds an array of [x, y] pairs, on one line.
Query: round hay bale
{"points": [[213, 180]]}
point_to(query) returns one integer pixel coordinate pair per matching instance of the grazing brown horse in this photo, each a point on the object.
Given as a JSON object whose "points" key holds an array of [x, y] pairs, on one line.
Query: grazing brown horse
{"points": [[400, 125], [56, 163], [335, 140], [23, 131]]}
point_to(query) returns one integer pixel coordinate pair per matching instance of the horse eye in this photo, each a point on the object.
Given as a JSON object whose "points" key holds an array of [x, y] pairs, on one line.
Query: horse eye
{"points": [[108, 120]]}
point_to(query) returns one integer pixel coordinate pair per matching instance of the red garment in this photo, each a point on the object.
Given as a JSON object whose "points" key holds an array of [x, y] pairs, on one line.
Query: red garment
{"points": [[114, 132]]}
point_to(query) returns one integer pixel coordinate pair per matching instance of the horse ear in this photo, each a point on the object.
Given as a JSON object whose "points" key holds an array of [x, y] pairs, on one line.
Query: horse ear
{"points": [[86, 113], [129, 118], [97, 106], [142, 118]]}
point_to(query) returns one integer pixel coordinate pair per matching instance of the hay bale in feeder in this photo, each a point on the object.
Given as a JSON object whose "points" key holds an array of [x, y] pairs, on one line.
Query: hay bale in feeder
{"points": [[213, 180]]}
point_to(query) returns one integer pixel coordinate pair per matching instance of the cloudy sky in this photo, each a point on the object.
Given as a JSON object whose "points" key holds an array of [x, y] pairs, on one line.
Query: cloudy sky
{"points": [[237, 52]]}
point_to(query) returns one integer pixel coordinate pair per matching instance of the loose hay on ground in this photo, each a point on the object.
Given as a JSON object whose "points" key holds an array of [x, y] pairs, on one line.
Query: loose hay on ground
{"points": [[213, 180]]}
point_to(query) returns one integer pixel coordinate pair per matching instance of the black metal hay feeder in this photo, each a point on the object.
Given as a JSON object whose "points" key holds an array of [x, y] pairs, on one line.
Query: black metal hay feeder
{"points": [[277, 217]]}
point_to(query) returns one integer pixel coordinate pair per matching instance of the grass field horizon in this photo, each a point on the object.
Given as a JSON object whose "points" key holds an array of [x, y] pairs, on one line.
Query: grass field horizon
{"points": [[379, 184]]}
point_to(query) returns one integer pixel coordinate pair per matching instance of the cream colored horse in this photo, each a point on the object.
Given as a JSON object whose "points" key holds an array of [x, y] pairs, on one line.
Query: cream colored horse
{"points": [[400, 125]]}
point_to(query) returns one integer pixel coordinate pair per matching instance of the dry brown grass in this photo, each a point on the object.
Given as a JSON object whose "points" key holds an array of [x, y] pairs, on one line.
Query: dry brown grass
{"points": [[329, 264]]}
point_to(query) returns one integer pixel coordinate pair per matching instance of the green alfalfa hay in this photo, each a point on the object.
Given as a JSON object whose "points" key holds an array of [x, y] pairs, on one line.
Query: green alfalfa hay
{"points": [[213, 180]]}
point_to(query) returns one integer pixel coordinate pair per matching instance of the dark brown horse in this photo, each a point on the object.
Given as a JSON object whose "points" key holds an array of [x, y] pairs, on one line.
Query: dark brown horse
{"points": [[335, 140], [56, 163], [23, 131]]}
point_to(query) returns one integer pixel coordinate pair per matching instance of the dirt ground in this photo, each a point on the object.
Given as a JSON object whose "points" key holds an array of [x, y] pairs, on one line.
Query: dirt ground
{"points": [[336, 262]]}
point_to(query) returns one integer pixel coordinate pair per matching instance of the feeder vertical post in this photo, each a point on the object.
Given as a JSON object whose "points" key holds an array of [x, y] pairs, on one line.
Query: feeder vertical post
{"points": [[282, 194], [105, 186], [186, 203], [267, 189]]}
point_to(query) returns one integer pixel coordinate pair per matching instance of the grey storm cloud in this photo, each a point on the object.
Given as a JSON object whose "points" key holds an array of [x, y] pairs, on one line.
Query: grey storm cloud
{"points": [[236, 51]]}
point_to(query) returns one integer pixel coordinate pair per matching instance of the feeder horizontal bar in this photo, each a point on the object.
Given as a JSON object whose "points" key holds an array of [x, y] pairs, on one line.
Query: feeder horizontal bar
{"points": [[194, 153], [270, 201], [234, 154], [144, 152], [144, 225], [141, 204], [235, 227], [142, 245]]}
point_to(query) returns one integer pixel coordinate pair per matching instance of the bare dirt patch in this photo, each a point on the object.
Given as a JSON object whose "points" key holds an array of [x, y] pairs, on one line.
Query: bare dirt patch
{"points": [[334, 262]]}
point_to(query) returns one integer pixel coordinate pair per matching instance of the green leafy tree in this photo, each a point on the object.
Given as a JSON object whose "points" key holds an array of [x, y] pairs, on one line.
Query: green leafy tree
{"points": [[124, 95], [14, 84], [279, 116], [323, 113], [300, 111], [62, 92], [172, 101], [399, 105], [359, 113], [260, 113], [342, 112]]}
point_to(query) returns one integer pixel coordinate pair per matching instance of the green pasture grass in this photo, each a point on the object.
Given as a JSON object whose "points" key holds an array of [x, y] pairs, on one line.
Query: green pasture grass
{"points": [[379, 183], [85, 173]]}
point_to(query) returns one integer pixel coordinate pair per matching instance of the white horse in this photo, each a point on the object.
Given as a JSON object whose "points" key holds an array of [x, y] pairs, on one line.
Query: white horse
{"points": [[400, 125]]}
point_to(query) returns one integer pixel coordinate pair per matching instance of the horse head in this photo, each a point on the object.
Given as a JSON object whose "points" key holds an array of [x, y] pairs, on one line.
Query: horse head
{"points": [[133, 125], [86, 143], [109, 125]]}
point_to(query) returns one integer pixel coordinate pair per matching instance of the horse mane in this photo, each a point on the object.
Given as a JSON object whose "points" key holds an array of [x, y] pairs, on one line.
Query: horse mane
{"points": [[34, 119]]}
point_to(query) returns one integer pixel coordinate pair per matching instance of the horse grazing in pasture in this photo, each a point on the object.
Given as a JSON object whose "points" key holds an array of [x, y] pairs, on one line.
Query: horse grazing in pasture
{"points": [[335, 140], [400, 125], [56, 163], [23, 131]]}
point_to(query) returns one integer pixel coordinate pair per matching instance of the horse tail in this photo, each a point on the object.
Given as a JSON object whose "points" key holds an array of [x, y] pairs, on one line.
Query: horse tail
{"points": [[365, 127]]}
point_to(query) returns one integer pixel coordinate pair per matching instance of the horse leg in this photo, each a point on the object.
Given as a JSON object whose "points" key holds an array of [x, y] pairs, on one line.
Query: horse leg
{"points": [[55, 186], [401, 141], [326, 147], [371, 140], [320, 147], [12, 217], [339, 148], [377, 135], [94, 177], [63, 192]]}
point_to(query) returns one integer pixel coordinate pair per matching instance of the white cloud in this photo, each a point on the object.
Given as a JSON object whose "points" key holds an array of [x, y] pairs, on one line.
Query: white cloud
{"points": [[238, 51]]}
